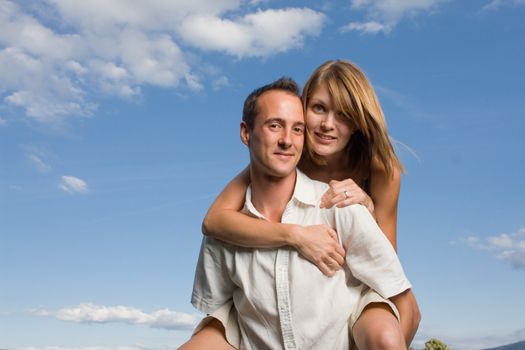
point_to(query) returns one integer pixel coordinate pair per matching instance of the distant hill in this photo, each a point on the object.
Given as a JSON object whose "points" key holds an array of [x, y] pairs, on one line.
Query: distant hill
{"points": [[515, 346]]}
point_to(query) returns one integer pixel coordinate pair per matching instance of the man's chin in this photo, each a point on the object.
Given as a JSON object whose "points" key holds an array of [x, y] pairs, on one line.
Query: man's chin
{"points": [[281, 172]]}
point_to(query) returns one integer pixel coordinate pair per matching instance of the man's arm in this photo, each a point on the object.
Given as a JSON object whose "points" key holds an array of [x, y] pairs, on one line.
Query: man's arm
{"points": [[369, 255], [213, 285], [373, 260]]}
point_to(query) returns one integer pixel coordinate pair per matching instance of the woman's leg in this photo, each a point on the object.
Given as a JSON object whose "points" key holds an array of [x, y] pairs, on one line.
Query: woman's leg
{"points": [[210, 337], [378, 328]]}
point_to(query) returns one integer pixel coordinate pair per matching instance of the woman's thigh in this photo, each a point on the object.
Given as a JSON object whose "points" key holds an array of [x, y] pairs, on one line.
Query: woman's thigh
{"points": [[210, 337]]}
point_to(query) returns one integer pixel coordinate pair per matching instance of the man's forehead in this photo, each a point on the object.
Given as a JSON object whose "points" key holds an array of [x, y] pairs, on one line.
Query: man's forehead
{"points": [[280, 103]]}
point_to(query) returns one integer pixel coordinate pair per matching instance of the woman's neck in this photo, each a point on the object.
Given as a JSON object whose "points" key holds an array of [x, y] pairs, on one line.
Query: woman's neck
{"points": [[332, 170], [336, 168]]}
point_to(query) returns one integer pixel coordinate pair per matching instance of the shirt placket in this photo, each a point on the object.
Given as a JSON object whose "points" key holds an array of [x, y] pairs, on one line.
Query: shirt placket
{"points": [[282, 283]]}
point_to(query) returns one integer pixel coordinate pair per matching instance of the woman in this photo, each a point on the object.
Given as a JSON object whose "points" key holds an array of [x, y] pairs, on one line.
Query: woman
{"points": [[347, 147]]}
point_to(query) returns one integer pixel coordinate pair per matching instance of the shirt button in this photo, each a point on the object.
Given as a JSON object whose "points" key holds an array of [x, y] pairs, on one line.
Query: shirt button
{"points": [[289, 345]]}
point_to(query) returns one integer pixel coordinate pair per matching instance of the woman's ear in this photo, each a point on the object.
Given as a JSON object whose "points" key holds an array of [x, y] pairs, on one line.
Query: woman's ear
{"points": [[245, 133]]}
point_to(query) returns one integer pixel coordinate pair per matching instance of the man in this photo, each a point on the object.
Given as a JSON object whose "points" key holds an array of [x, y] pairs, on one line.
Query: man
{"points": [[282, 300]]}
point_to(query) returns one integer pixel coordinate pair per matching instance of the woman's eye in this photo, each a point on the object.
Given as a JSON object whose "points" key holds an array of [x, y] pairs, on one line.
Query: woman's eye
{"points": [[318, 108]]}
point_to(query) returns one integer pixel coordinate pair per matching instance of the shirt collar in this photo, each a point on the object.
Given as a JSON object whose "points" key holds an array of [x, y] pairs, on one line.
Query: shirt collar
{"points": [[304, 192]]}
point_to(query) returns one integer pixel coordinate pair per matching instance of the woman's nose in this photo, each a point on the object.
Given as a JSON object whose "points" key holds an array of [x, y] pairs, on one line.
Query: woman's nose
{"points": [[328, 122]]}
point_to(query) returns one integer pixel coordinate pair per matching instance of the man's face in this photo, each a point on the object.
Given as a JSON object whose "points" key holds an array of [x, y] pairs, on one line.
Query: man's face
{"points": [[276, 140]]}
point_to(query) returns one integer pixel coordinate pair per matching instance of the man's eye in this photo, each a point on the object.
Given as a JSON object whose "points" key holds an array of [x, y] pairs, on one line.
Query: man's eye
{"points": [[299, 130], [274, 125]]}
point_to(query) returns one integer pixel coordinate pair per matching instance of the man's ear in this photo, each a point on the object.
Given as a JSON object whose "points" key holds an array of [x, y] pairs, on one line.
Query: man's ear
{"points": [[245, 133]]}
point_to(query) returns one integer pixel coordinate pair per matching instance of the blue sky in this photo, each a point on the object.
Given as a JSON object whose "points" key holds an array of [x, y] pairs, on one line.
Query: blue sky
{"points": [[119, 125]]}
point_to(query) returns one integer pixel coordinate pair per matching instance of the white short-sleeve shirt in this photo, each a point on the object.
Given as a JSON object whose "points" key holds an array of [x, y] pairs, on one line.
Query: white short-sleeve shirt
{"points": [[283, 301]]}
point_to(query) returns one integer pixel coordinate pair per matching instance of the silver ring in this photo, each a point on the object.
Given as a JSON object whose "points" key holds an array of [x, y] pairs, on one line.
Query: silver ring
{"points": [[346, 194]]}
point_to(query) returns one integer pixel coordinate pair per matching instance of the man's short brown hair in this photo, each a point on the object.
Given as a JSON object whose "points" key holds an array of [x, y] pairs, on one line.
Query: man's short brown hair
{"points": [[249, 111]]}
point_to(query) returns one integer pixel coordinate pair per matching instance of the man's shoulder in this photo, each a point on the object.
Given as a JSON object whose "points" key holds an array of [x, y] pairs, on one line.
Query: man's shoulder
{"points": [[215, 246], [305, 185]]}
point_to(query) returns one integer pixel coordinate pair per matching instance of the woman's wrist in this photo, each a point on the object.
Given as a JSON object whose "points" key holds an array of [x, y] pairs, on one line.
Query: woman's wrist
{"points": [[291, 235], [369, 204]]}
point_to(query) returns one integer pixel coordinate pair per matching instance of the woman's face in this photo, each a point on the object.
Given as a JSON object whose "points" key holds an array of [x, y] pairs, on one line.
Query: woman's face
{"points": [[329, 128]]}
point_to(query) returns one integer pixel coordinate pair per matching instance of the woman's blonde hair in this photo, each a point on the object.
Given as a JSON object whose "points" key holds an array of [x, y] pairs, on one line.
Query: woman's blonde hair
{"points": [[354, 97]]}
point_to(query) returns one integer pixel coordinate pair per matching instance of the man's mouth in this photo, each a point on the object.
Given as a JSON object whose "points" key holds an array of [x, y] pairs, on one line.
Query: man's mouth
{"points": [[284, 154]]}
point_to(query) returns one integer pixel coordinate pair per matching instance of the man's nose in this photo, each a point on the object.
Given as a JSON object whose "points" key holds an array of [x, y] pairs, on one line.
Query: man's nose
{"points": [[285, 141]]}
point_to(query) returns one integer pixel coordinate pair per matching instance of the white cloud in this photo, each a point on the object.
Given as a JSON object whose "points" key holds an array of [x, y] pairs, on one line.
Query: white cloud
{"points": [[384, 15], [52, 66], [41, 88], [509, 248], [255, 35], [92, 313], [496, 4], [71, 184]]}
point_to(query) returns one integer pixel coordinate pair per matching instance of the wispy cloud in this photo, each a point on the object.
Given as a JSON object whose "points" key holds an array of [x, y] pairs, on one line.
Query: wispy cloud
{"points": [[220, 83], [36, 156], [137, 346], [71, 184], [82, 348], [509, 248], [56, 59], [496, 4], [384, 15], [92, 313], [371, 27]]}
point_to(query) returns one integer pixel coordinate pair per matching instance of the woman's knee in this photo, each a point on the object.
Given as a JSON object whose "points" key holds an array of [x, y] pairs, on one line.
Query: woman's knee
{"points": [[210, 337], [378, 328], [388, 338]]}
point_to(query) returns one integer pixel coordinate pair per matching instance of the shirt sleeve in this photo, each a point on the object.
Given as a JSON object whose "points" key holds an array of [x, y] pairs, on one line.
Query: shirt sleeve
{"points": [[213, 286], [369, 255]]}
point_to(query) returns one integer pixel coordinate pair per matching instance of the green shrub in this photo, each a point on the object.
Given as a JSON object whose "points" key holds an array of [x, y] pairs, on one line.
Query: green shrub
{"points": [[436, 344]]}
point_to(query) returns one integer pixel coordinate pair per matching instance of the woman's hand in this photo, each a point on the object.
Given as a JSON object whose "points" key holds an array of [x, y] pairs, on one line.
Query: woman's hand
{"points": [[345, 193], [319, 244]]}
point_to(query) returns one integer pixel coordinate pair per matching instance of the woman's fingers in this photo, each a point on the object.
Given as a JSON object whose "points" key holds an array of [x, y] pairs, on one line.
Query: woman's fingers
{"points": [[342, 194]]}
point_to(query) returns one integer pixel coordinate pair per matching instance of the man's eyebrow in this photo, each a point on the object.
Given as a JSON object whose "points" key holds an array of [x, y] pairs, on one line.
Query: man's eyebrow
{"points": [[273, 120], [282, 121]]}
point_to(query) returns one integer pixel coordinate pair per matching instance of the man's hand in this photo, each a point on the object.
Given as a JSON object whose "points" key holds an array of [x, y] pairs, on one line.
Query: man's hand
{"points": [[319, 244]]}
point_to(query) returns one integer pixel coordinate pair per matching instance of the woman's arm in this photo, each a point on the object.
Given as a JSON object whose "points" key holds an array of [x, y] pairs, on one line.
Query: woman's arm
{"points": [[384, 190], [318, 244], [382, 202]]}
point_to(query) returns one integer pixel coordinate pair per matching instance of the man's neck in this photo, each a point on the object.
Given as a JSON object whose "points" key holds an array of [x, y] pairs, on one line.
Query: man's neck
{"points": [[270, 195]]}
